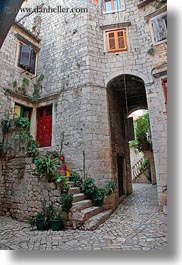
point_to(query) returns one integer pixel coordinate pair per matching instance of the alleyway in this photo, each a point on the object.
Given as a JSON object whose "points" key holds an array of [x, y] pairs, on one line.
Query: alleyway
{"points": [[135, 225]]}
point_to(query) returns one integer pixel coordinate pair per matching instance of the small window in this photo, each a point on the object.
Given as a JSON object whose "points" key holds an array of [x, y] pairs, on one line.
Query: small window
{"points": [[95, 1], [116, 40], [27, 58], [164, 86], [112, 5], [22, 111], [159, 26]]}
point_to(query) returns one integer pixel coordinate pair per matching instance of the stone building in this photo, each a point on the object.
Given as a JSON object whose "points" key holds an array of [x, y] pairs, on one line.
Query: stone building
{"points": [[100, 61]]}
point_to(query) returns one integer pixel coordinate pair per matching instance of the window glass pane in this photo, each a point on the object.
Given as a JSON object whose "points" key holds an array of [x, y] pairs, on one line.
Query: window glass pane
{"points": [[108, 6], [112, 45], [111, 35], [165, 20], [116, 4], [121, 43], [120, 34]]}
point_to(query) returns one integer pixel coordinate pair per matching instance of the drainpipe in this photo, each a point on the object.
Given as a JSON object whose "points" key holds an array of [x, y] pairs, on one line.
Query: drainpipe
{"points": [[8, 12]]}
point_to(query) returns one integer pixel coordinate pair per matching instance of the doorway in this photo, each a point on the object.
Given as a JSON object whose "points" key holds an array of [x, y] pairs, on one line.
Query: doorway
{"points": [[120, 163], [44, 126]]}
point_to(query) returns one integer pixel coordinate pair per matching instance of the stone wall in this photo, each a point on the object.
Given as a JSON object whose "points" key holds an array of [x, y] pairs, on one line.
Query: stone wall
{"points": [[22, 192]]}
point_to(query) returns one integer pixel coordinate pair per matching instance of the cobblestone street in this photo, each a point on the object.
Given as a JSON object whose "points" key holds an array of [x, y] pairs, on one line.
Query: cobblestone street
{"points": [[135, 225]]}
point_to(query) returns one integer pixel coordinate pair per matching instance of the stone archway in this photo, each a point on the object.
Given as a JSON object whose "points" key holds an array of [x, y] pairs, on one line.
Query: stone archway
{"points": [[125, 94]]}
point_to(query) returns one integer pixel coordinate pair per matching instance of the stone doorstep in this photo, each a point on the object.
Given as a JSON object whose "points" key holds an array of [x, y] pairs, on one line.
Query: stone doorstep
{"points": [[81, 205], [87, 213], [78, 197], [74, 190], [72, 184], [96, 220]]}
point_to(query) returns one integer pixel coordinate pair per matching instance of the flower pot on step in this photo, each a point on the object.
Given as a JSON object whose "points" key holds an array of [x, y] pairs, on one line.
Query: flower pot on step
{"points": [[57, 224]]}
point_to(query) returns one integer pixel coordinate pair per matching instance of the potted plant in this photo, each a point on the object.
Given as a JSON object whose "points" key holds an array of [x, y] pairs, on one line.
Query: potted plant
{"points": [[41, 221], [98, 197], [62, 183], [66, 202], [65, 187], [88, 187], [75, 177], [57, 220], [46, 166]]}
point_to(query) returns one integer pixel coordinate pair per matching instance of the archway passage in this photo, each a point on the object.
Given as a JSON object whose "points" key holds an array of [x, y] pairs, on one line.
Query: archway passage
{"points": [[125, 93]]}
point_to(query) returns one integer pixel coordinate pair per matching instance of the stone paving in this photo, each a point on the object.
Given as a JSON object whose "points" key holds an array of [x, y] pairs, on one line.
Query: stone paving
{"points": [[137, 224]]}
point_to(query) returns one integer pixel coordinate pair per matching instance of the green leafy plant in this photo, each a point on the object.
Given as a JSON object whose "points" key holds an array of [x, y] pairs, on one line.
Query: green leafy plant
{"points": [[57, 213], [5, 124], [110, 187], [98, 196], [23, 88], [66, 202], [142, 130], [88, 187], [75, 177], [32, 148], [37, 88], [145, 163], [151, 51], [61, 142], [22, 123], [46, 166]]}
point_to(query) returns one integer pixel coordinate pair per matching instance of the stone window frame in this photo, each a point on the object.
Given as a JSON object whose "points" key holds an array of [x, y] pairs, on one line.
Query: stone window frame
{"points": [[155, 43], [122, 7], [117, 50]]}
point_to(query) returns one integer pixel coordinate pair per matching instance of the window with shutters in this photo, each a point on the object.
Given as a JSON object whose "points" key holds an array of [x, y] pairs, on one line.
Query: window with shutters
{"points": [[116, 40], [113, 5], [27, 58], [159, 27], [22, 111]]}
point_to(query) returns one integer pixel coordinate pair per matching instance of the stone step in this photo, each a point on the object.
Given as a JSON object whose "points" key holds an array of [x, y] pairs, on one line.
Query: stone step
{"points": [[86, 213], [74, 190], [81, 205], [78, 197], [71, 183], [96, 220]]}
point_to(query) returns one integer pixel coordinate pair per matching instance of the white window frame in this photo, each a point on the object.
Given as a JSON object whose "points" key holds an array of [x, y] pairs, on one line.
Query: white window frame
{"points": [[122, 5]]}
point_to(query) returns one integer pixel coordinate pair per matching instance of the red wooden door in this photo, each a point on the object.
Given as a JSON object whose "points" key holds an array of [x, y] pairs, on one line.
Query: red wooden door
{"points": [[44, 126]]}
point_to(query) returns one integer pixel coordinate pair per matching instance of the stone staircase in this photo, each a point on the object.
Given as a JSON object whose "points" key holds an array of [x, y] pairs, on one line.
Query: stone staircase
{"points": [[83, 215]]}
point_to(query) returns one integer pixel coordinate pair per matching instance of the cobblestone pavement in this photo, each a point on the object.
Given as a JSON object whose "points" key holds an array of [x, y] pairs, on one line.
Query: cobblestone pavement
{"points": [[135, 225]]}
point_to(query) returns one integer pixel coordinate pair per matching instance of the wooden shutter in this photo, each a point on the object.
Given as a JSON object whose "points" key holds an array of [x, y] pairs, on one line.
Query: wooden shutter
{"points": [[131, 134], [159, 29], [25, 55]]}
